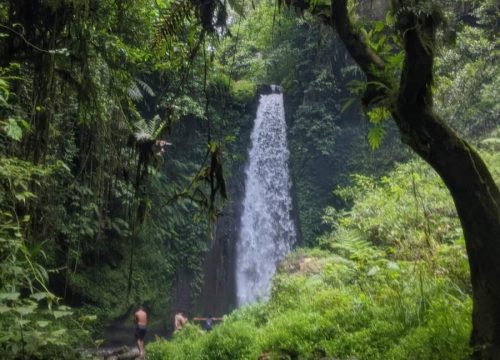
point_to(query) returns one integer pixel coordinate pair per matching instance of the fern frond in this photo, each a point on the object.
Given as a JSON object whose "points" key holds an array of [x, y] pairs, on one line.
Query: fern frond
{"points": [[134, 92], [375, 136], [173, 19], [145, 87], [149, 130], [350, 244], [142, 133]]}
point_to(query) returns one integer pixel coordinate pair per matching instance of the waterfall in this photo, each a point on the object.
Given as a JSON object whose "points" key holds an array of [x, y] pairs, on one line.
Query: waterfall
{"points": [[267, 231]]}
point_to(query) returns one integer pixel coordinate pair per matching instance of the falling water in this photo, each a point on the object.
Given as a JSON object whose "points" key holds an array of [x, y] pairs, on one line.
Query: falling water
{"points": [[267, 230]]}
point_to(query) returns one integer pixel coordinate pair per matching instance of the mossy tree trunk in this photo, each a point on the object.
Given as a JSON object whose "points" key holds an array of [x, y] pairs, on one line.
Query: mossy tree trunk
{"points": [[476, 196]]}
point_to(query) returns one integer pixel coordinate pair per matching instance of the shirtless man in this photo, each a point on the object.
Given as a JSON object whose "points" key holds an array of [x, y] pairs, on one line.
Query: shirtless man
{"points": [[180, 320], [141, 321]]}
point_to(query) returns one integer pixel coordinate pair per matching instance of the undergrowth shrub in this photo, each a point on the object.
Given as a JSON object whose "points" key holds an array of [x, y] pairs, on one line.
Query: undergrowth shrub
{"points": [[186, 344], [443, 336], [295, 333], [235, 340]]}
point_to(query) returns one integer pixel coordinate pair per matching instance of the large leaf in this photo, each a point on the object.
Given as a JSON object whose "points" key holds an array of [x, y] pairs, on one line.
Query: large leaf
{"points": [[26, 310], [9, 296], [13, 130]]}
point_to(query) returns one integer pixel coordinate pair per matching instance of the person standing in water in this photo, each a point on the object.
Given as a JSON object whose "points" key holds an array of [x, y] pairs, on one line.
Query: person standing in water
{"points": [[141, 322], [180, 320], [208, 323]]}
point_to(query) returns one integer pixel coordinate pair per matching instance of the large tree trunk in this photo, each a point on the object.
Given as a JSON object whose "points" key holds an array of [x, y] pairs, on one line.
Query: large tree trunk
{"points": [[474, 191], [477, 201], [476, 196]]}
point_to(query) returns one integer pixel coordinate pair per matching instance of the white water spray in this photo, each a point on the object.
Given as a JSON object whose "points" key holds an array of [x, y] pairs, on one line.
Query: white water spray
{"points": [[267, 230]]}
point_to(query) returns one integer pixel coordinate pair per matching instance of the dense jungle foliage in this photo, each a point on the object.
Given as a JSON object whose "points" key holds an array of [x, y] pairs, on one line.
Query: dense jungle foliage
{"points": [[94, 213], [124, 126]]}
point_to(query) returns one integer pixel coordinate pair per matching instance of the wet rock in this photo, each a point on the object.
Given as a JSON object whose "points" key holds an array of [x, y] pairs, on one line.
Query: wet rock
{"points": [[269, 89], [120, 353]]}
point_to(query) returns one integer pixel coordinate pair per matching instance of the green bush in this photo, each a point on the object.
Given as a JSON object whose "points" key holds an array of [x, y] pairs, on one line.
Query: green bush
{"points": [[186, 344], [235, 340], [295, 333], [255, 314], [444, 336], [243, 91]]}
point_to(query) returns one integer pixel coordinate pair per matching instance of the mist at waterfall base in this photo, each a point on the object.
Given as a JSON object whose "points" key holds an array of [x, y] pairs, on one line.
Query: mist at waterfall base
{"points": [[267, 231]]}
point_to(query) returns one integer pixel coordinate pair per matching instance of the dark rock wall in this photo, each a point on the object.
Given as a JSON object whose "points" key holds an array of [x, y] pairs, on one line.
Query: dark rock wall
{"points": [[374, 9], [218, 290], [218, 293], [181, 297]]}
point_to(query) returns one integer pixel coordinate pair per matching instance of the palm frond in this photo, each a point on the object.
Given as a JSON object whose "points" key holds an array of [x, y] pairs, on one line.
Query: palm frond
{"points": [[134, 92], [145, 87], [149, 130]]}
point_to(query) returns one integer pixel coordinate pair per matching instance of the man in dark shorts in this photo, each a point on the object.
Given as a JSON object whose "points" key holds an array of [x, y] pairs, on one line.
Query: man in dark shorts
{"points": [[141, 321]]}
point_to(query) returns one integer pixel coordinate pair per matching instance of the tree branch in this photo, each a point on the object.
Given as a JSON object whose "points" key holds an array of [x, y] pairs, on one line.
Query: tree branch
{"points": [[416, 79], [361, 53]]}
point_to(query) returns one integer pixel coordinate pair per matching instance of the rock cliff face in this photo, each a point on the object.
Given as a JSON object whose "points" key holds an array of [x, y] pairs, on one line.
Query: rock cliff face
{"points": [[218, 288], [218, 292], [374, 9]]}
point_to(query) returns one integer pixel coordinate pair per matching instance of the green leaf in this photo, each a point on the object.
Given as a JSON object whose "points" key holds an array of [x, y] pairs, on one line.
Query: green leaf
{"points": [[388, 18], [230, 138], [13, 130], [26, 310], [24, 124], [212, 146], [62, 164], [9, 296], [88, 318], [59, 333], [378, 114], [396, 61], [43, 324], [59, 314], [39, 296], [379, 26], [346, 104]]}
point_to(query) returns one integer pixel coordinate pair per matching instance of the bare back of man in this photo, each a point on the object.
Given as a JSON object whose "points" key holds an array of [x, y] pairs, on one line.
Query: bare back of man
{"points": [[141, 322], [180, 320]]}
